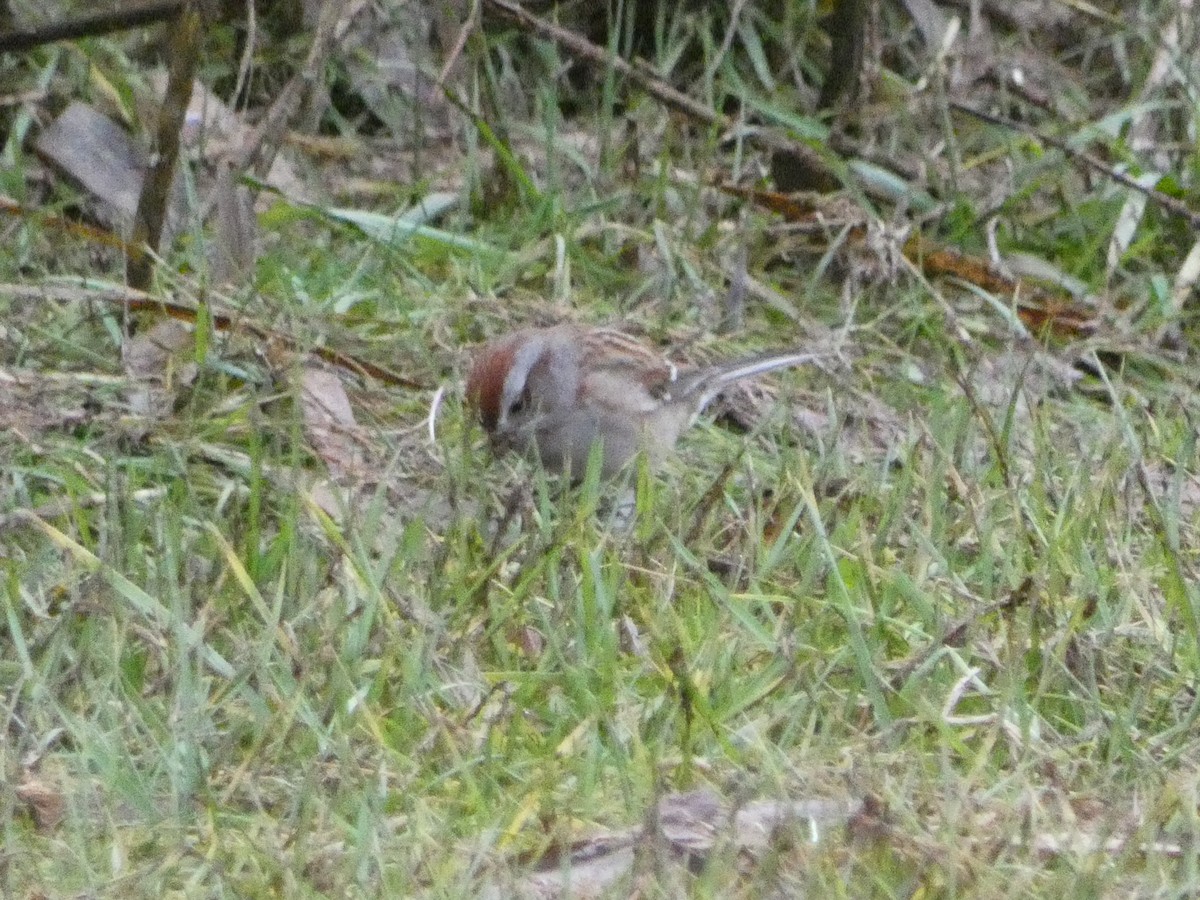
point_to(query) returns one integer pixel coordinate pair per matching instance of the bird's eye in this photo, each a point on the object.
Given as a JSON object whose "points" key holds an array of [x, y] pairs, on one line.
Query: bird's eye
{"points": [[520, 404]]}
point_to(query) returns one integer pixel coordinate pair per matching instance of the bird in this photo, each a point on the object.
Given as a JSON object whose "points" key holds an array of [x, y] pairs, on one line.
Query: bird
{"points": [[557, 391]]}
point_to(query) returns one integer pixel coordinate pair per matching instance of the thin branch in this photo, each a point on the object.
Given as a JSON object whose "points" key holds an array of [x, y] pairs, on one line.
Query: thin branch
{"points": [[91, 26], [1170, 204]]}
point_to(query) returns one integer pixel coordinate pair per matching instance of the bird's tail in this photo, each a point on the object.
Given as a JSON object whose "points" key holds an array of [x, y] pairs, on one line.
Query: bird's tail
{"points": [[716, 381]]}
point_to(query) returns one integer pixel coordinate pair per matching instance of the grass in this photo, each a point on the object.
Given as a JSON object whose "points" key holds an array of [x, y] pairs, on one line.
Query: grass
{"points": [[953, 577], [234, 692]]}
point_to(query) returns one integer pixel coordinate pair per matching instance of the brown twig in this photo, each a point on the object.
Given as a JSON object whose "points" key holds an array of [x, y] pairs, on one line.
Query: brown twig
{"points": [[222, 320], [62, 224], [131, 16], [847, 34], [151, 212], [1038, 308]]}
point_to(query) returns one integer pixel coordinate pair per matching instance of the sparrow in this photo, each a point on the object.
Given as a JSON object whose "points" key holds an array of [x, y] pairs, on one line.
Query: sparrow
{"points": [[557, 392]]}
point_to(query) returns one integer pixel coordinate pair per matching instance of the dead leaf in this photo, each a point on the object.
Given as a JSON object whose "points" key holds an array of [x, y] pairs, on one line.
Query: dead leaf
{"points": [[158, 362], [931, 22], [1185, 279], [325, 404], [94, 151], [45, 801], [1175, 487], [1030, 375], [329, 423], [531, 641], [691, 825], [33, 402]]}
